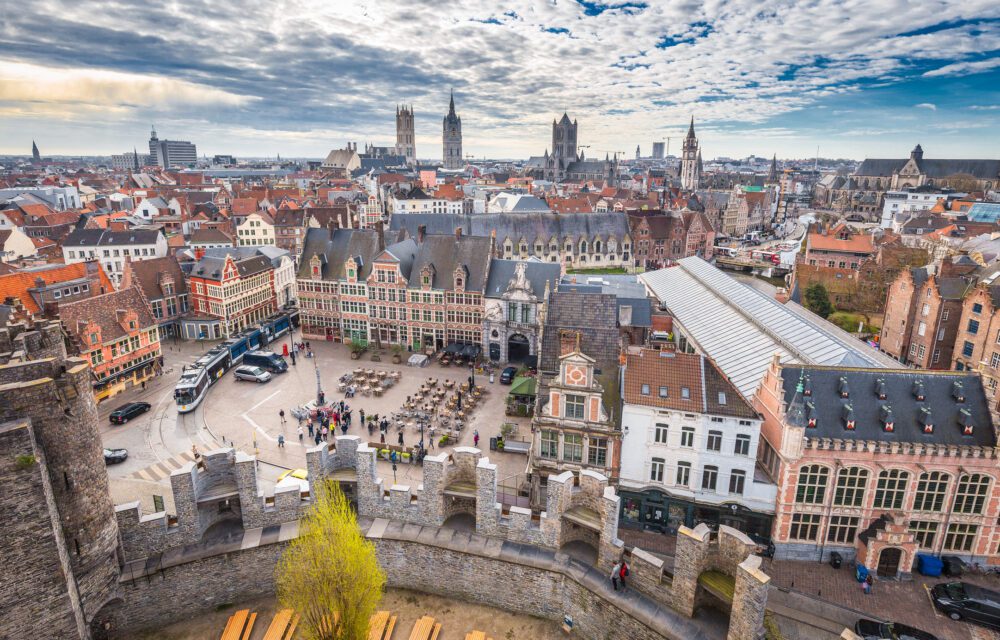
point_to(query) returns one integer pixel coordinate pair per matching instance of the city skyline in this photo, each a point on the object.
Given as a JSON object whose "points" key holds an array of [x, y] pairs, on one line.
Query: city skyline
{"points": [[299, 81]]}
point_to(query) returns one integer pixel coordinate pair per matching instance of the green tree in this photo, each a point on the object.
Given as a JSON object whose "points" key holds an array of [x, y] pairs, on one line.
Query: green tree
{"points": [[818, 300], [329, 575]]}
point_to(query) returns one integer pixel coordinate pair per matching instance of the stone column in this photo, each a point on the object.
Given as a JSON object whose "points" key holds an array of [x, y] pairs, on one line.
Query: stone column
{"points": [[609, 546], [746, 621], [182, 482], [432, 496], [369, 484], [487, 509]]}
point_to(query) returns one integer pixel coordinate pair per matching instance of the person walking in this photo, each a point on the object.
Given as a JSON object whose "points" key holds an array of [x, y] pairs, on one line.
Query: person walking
{"points": [[326, 433], [281, 441], [300, 433], [310, 425], [400, 438], [622, 574], [475, 438], [615, 572], [281, 414], [381, 438], [343, 428], [362, 413]]}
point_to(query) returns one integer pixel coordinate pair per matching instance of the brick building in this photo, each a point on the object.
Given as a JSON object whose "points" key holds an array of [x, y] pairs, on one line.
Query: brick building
{"points": [[977, 345], [880, 464], [118, 335], [669, 236], [594, 316], [49, 286], [231, 293], [922, 314], [163, 288], [572, 428], [840, 247], [290, 230]]}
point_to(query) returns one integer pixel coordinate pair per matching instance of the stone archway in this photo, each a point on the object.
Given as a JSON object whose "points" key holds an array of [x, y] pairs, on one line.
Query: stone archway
{"points": [[105, 622], [461, 521], [518, 348]]}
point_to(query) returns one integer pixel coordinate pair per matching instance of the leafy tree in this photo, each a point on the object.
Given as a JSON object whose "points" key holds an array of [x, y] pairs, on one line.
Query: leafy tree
{"points": [[818, 300], [329, 574]]}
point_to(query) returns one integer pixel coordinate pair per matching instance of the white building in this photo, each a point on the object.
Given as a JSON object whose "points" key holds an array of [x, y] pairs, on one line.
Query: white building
{"points": [[901, 205], [256, 230], [15, 244], [416, 200], [689, 450], [113, 248], [151, 208], [58, 198]]}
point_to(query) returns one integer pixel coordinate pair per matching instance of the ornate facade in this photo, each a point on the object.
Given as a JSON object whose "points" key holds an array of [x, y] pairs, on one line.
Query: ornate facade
{"points": [[517, 293]]}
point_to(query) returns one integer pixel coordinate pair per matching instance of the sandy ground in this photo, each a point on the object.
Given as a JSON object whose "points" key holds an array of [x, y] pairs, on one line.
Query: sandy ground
{"points": [[456, 618]]}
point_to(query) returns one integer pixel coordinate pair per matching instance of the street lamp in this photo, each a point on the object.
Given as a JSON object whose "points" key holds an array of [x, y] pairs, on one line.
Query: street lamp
{"points": [[319, 384]]}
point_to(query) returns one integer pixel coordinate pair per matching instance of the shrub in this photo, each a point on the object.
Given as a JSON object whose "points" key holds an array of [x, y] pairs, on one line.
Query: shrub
{"points": [[24, 462]]}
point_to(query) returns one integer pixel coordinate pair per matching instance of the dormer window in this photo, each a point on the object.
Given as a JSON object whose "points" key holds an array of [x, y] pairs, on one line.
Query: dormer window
{"points": [[880, 389], [965, 419], [315, 270], [458, 283], [131, 324], [847, 414], [807, 389], [426, 280], [918, 391], [926, 420], [845, 391], [93, 338], [957, 392], [885, 415], [811, 417]]}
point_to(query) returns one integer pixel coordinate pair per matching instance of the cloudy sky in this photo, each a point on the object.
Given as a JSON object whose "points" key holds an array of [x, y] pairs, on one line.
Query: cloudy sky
{"points": [[298, 77]]}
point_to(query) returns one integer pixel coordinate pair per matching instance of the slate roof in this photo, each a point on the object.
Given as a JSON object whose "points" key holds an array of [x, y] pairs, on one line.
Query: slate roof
{"points": [[289, 217], [146, 275], [210, 267], [709, 391], [628, 293], [105, 238], [207, 235], [934, 168], [516, 225], [334, 246], [593, 315], [447, 253], [828, 406], [536, 273], [271, 252], [103, 310]]}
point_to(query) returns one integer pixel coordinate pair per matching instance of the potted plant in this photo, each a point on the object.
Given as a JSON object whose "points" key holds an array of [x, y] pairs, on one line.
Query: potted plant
{"points": [[406, 457], [444, 440], [397, 354]]}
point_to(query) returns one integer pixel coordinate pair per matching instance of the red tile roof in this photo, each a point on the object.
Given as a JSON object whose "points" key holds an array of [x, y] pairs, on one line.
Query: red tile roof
{"points": [[17, 284]]}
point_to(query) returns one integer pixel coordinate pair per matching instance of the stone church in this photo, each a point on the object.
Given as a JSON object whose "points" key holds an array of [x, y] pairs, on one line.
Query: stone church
{"points": [[406, 144], [566, 165]]}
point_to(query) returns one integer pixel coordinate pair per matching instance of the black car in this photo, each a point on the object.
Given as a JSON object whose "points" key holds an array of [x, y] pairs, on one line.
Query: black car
{"points": [[507, 375], [871, 630], [126, 412], [964, 601], [115, 456]]}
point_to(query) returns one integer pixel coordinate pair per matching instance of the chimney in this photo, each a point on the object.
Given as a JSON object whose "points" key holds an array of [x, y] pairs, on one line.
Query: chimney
{"points": [[458, 233], [421, 232], [380, 235]]}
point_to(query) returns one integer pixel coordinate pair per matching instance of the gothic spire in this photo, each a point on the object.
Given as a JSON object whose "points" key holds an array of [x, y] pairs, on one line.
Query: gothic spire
{"points": [[773, 173], [451, 105], [691, 130]]}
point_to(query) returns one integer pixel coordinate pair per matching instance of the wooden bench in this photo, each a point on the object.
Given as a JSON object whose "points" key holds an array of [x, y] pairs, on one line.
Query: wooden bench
{"points": [[425, 629], [477, 635], [381, 625], [279, 625], [239, 626]]}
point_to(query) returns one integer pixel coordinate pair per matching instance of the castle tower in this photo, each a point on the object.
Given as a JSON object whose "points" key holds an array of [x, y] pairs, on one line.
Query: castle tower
{"points": [[690, 161], [405, 134], [63, 546], [452, 138], [34, 152]]}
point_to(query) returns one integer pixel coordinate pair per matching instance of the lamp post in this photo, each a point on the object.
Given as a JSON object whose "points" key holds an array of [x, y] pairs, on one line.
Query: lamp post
{"points": [[319, 384]]}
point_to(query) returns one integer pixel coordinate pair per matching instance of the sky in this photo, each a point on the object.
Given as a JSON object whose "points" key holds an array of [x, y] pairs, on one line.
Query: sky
{"points": [[854, 78]]}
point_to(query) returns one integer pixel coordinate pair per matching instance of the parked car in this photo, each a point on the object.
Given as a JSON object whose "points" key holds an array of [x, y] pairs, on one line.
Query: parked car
{"points": [[253, 374], [872, 630], [267, 360], [507, 375], [115, 456], [964, 601], [126, 412]]}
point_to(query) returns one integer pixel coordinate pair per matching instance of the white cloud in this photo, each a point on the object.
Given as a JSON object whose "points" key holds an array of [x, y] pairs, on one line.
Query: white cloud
{"points": [[926, 105], [964, 68], [985, 107]]}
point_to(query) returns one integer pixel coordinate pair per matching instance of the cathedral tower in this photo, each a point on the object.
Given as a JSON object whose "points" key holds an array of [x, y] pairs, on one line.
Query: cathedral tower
{"points": [[452, 138], [35, 155], [405, 134], [690, 161]]}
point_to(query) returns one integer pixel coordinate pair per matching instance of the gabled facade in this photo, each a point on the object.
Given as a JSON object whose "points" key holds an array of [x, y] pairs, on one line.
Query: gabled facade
{"points": [[255, 230], [572, 429], [163, 288], [235, 292], [517, 294], [117, 334]]}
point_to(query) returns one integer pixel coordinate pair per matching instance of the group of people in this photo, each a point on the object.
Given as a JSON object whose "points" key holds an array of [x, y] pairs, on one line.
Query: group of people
{"points": [[618, 574], [338, 415]]}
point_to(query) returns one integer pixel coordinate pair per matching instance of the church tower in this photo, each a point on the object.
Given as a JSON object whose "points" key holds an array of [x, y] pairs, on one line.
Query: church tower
{"points": [[452, 138], [563, 149], [405, 134], [35, 155], [690, 161]]}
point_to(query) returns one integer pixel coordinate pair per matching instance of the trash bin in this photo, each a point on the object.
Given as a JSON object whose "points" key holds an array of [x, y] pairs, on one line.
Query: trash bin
{"points": [[836, 559], [952, 565], [493, 444]]}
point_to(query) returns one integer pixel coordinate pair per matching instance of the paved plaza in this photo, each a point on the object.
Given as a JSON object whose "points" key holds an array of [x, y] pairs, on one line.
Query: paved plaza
{"points": [[246, 415]]}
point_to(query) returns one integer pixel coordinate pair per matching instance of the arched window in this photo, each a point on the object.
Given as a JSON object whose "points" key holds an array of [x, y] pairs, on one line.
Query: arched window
{"points": [[931, 489], [583, 246], [971, 494], [811, 488], [597, 246], [890, 489], [851, 483]]}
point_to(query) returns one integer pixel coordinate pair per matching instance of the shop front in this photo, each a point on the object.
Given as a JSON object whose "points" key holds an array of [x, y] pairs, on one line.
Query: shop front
{"points": [[655, 510]]}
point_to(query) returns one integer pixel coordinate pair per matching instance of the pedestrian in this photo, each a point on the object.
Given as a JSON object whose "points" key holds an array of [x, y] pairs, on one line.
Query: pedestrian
{"points": [[615, 572], [362, 412], [310, 425], [343, 428], [870, 584], [342, 406], [864, 587], [300, 433], [430, 442], [281, 441], [281, 414], [326, 433], [143, 385], [381, 438], [475, 438], [400, 438], [623, 573], [349, 418], [317, 437], [309, 346]]}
